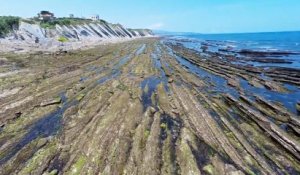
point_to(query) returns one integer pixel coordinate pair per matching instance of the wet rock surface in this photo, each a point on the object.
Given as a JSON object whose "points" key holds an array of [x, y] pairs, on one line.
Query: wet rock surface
{"points": [[147, 106]]}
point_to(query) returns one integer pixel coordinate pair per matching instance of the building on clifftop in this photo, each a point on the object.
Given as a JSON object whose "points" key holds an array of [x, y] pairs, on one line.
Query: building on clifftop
{"points": [[95, 17], [46, 16]]}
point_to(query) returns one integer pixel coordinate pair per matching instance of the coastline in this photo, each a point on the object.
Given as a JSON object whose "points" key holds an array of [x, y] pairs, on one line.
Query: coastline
{"points": [[51, 46], [149, 88], [60, 38]]}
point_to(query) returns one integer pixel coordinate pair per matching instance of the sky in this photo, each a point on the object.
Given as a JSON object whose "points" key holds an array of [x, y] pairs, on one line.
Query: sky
{"points": [[201, 16]]}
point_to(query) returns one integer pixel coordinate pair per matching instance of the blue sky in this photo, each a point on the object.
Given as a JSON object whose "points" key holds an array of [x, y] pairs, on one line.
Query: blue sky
{"points": [[203, 16]]}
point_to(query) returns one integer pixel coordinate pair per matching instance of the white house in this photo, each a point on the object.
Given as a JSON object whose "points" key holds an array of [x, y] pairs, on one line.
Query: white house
{"points": [[95, 17]]}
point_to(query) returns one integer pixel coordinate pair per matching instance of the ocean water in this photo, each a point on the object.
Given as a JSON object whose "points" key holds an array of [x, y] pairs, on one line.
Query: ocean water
{"points": [[269, 42], [273, 40]]}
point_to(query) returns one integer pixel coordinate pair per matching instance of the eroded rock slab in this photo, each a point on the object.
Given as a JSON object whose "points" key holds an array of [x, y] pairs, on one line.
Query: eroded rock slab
{"points": [[143, 107]]}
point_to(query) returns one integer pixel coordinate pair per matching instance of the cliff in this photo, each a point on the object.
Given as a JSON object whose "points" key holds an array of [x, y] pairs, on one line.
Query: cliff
{"points": [[85, 31], [70, 36]]}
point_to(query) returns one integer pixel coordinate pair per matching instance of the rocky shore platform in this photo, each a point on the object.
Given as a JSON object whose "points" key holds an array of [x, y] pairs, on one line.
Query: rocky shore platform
{"points": [[146, 106]]}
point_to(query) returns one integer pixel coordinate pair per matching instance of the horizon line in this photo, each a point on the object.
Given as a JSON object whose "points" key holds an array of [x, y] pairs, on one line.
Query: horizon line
{"points": [[221, 33]]}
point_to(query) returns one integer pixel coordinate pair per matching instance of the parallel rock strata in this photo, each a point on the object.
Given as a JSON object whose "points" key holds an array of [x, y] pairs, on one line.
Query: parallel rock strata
{"points": [[141, 107]]}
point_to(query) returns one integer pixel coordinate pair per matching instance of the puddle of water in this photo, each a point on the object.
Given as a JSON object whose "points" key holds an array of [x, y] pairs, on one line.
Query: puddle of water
{"points": [[140, 50], [151, 84], [164, 62], [95, 69], [113, 75], [171, 124], [125, 59], [157, 64], [48, 125], [219, 84], [288, 99], [122, 62], [116, 68]]}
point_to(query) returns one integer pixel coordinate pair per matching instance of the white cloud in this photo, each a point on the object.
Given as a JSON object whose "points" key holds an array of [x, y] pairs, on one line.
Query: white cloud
{"points": [[156, 26]]}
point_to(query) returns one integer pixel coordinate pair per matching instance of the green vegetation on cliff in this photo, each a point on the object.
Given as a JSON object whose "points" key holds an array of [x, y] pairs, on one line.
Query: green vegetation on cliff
{"points": [[7, 24], [68, 22]]}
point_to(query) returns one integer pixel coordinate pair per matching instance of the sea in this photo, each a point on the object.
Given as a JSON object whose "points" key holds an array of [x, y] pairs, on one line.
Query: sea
{"points": [[268, 41], [284, 42]]}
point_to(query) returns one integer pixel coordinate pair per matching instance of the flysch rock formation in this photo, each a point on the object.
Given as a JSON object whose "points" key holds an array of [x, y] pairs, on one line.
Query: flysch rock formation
{"points": [[32, 37], [141, 107]]}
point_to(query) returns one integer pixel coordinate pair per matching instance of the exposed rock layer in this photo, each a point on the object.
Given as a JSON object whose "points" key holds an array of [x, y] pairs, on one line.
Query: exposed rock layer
{"points": [[135, 108]]}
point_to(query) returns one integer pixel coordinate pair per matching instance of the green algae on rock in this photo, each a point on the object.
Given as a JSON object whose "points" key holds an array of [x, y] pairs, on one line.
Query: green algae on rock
{"points": [[141, 107]]}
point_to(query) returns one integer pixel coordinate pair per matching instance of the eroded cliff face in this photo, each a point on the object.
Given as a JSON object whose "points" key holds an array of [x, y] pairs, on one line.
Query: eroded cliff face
{"points": [[34, 38], [89, 31]]}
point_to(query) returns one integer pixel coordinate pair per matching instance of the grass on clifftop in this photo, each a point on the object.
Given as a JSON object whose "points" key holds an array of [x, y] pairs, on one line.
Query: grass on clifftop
{"points": [[68, 22]]}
